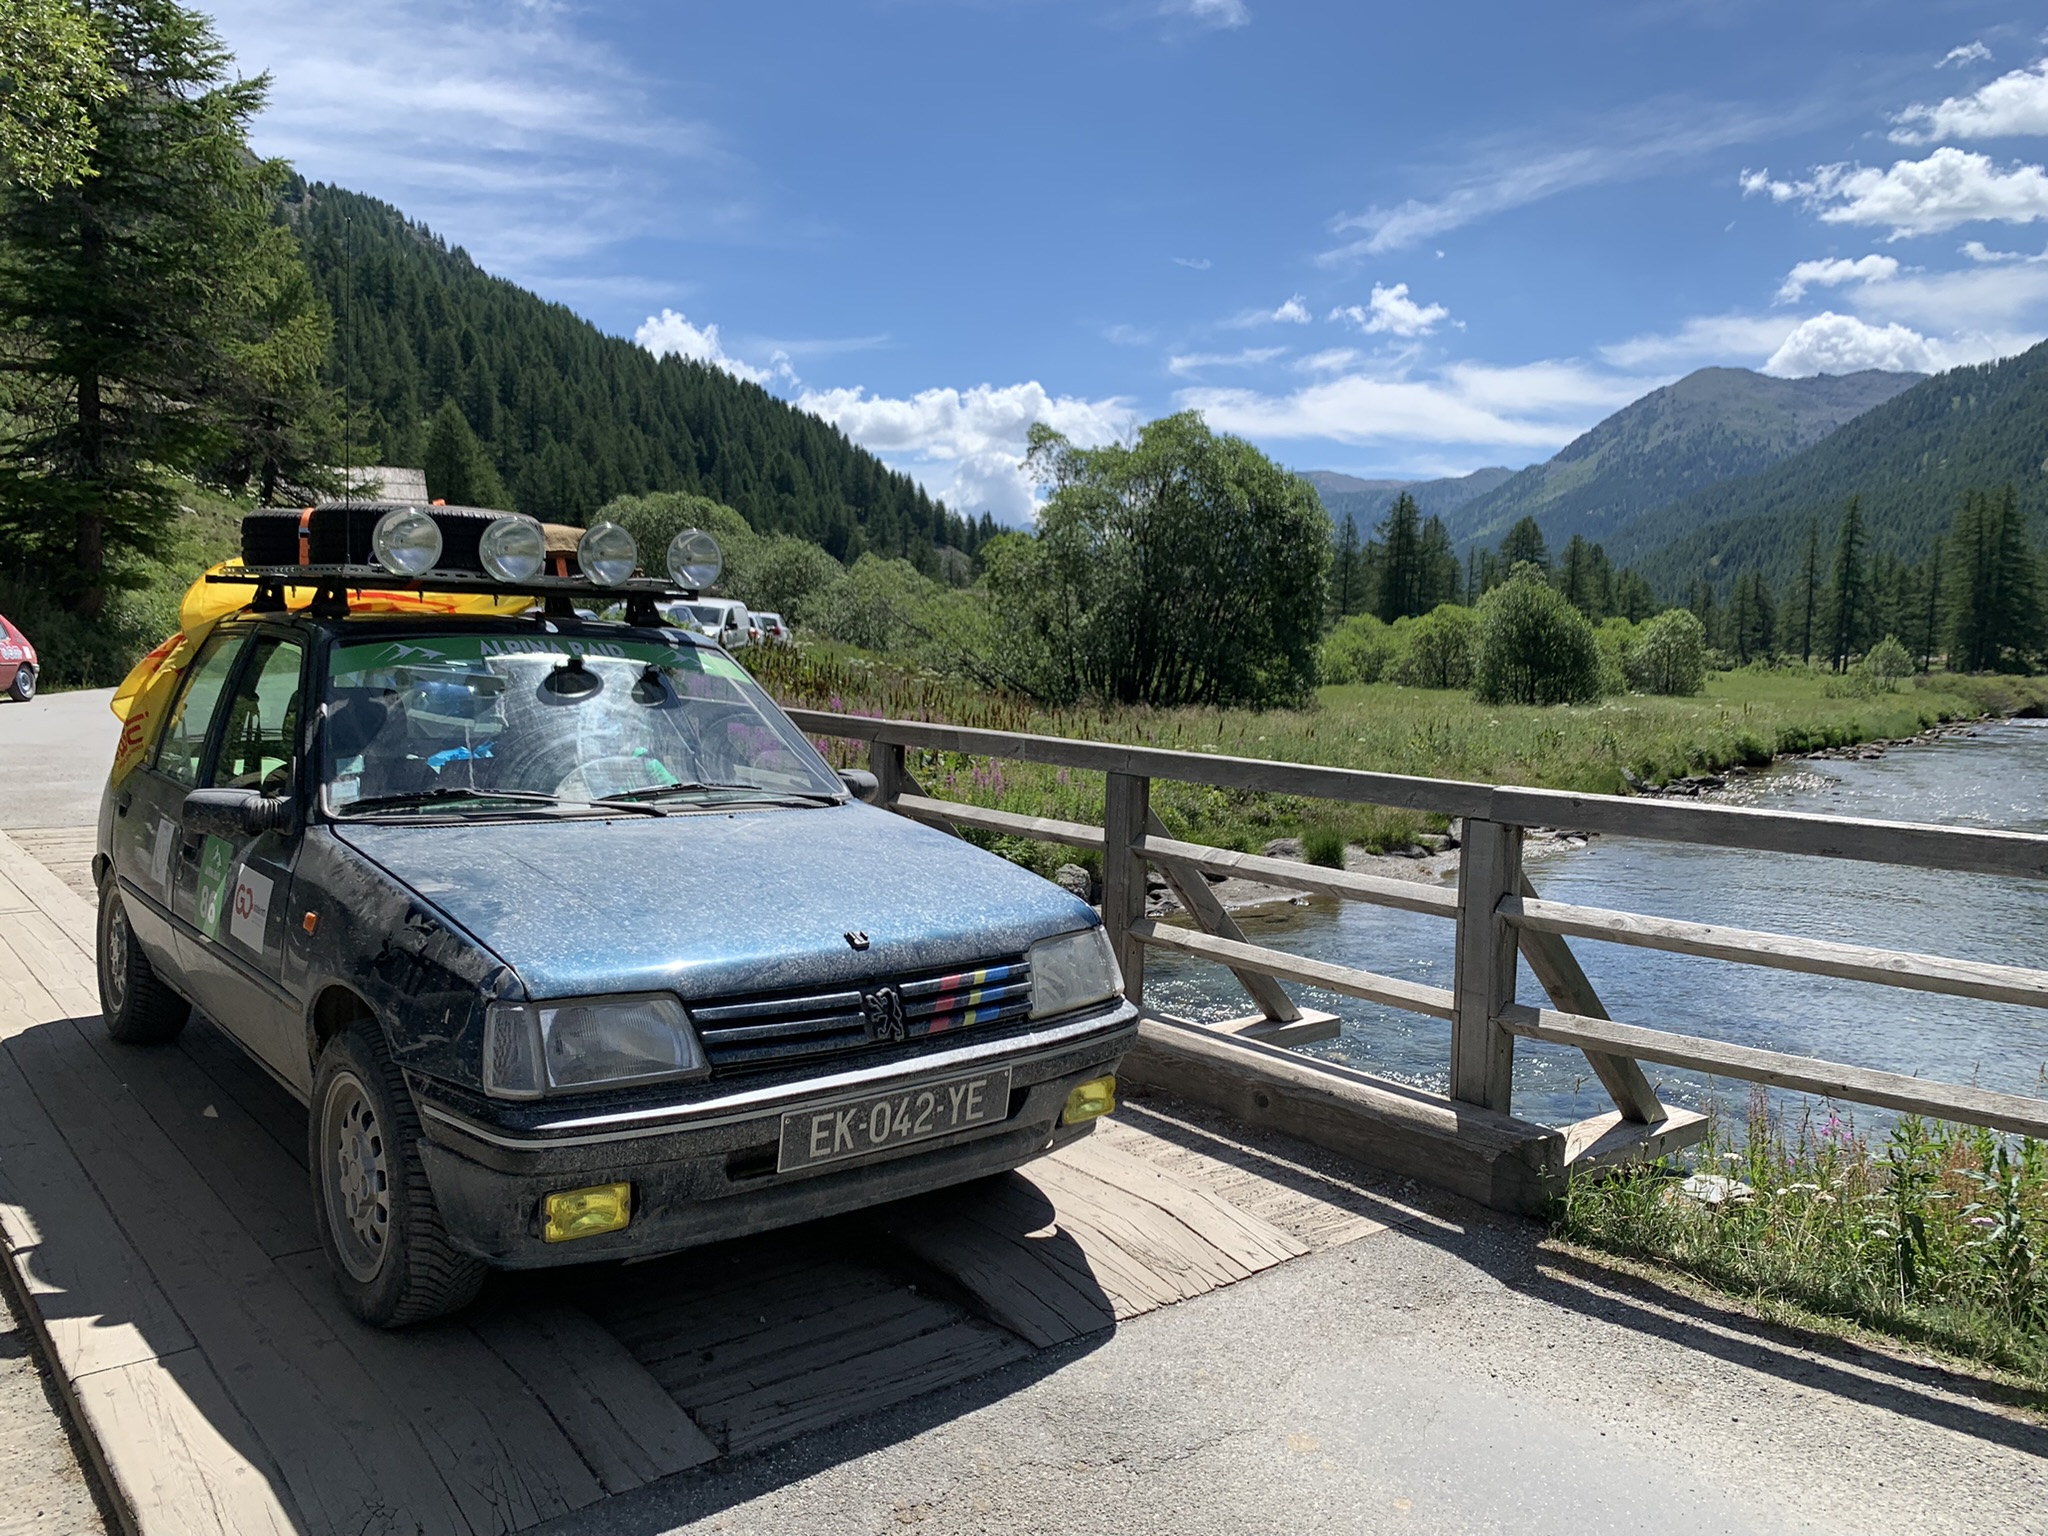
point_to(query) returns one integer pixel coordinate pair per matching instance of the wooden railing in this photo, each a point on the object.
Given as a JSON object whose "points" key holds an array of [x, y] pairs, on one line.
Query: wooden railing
{"points": [[1497, 913]]}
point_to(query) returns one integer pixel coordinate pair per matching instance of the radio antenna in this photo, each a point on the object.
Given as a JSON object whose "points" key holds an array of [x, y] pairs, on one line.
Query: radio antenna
{"points": [[348, 297]]}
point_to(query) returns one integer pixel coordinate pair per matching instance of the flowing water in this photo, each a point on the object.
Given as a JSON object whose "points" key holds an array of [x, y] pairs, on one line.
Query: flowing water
{"points": [[1996, 777]]}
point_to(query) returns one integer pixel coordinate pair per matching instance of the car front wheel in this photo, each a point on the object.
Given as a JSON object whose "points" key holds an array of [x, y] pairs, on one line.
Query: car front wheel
{"points": [[137, 1007], [378, 1222], [23, 688]]}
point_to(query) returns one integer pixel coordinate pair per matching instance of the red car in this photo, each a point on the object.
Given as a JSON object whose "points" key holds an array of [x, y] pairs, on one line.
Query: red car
{"points": [[17, 663]]}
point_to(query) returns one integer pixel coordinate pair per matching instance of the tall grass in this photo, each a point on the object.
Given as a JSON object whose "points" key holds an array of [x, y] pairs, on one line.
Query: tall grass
{"points": [[1937, 1234]]}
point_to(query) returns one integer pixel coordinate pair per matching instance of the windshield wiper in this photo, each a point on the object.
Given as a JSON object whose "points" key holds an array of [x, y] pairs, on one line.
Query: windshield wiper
{"points": [[762, 791], [445, 792]]}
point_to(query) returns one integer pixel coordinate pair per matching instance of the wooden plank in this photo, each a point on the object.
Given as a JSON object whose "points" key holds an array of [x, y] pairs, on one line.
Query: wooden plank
{"points": [[615, 1414], [1786, 952], [1167, 1260], [1267, 995], [1313, 1025], [1804, 1074], [1406, 895], [347, 1453], [952, 813], [1373, 987], [178, 1456], [1558, 972], [1482, 1053], [98, 1305], [56, 900], [502, 1455], [1918, 844], [45, 953], [1609, 1141], [1126, 803], [1246, 1239], [13, 898]]}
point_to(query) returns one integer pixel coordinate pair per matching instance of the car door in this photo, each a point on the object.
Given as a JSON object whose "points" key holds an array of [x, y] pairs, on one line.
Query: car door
{"points": [[240, 886], [13, 652], [147, 842]]}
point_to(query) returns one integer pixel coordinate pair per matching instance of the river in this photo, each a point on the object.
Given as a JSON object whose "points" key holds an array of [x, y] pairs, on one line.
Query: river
{"points": [[1996, 777]]}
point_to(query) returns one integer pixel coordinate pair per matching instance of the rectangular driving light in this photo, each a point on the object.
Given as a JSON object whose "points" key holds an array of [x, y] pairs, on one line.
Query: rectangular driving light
{"points": [[588, 1212], [1095, 1097]]}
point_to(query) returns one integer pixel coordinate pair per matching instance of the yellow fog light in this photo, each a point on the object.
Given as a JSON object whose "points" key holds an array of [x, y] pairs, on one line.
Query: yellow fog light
{"points": [[586, 1212], [1095, 1097]]}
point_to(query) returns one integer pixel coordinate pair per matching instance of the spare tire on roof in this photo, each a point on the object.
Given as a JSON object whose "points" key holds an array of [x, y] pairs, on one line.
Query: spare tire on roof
{"points": [[341, 534]]}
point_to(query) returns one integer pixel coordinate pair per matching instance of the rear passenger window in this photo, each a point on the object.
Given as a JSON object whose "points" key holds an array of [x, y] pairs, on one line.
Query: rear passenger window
{"points": [[182, 747]]}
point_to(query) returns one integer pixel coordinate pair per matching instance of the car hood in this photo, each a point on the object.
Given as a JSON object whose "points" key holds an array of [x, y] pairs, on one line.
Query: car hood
{"points": [[710, 904]]}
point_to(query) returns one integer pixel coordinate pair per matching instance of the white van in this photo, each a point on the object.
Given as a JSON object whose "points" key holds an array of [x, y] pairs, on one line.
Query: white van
{"points": [[724, 619]]}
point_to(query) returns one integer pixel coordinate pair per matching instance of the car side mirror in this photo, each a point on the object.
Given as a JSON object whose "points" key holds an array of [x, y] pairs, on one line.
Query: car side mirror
{"points": [[236, 813], [861, 784]]}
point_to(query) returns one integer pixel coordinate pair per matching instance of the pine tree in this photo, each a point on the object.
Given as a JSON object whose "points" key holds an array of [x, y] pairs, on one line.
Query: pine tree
{"points": [[1997, 613], [1402, 578], [456, 468], [1523, 546], [1930, 628], [1633, 599], [1847, 596], [1346, 592], [1439, 566], [1807, 594]]}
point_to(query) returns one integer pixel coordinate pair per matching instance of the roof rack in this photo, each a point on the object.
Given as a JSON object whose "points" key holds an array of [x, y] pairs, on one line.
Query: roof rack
{"points": [[332, 585]]}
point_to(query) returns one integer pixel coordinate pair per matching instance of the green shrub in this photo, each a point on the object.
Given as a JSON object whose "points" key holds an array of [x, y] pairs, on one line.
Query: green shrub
{"points": [[1889, 663], [1359, 650], [1323, 842], [1437, 648], [1534, 646], [1669, 655]]}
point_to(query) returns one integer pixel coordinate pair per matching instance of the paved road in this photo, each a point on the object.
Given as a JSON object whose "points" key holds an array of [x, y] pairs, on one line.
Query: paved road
{"points": [[54, 755], [1450, 1378]]}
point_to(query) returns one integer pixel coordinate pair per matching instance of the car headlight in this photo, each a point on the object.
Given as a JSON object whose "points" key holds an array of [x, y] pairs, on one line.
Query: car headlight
{"points": [[1072, 971], [594, 1042]]}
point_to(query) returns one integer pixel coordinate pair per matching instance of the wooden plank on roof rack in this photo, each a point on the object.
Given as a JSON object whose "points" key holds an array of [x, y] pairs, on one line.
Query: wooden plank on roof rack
{"points": [[1803, 1074]]}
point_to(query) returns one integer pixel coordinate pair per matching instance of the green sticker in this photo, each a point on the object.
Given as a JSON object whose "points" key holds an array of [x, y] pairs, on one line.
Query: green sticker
{"points": [[216, 865]]}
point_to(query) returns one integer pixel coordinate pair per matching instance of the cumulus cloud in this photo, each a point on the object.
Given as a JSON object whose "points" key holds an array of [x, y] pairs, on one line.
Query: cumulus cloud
{"points": [[1832, 272], [1968, 53], [1915, 197], [966, 445], [1702, 339], [1208, 13], [1293, 311], [1832, 343], [2015, 103], [1390, 312], [671, 334]]}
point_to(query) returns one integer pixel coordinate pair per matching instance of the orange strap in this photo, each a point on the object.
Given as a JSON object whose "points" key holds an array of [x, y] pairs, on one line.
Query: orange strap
{"points": [[306, 537]]}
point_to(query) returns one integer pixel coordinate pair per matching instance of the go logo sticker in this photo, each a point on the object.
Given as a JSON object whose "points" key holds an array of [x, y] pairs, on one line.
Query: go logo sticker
{"points": [[249, 908]]}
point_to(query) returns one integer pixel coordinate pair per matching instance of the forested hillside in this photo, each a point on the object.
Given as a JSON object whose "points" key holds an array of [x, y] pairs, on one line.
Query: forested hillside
{"points": [[1910, 460], [1365, 502], [1710, 426], [572, 417]]}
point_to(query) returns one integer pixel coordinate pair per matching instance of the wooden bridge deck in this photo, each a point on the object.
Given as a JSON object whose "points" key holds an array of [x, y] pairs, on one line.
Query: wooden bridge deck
{"points": [[154, 1206]]}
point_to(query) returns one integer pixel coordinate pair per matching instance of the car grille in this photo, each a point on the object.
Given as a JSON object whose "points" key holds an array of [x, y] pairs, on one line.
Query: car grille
{"points": [[757, 1033]]}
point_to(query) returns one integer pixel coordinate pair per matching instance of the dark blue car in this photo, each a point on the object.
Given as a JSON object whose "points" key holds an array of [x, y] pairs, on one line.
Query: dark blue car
{"points": [[576, 948]]}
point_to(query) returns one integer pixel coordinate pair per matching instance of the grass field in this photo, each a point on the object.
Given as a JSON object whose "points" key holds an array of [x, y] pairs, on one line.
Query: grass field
{"points": [[1745, 717]]}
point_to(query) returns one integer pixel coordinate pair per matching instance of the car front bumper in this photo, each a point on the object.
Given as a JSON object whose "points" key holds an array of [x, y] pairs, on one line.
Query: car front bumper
{"points": [[705, 1172]]}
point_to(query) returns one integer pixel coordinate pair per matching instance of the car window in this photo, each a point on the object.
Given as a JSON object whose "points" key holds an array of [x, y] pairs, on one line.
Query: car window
{"points": [[261, 739], [567, 718], [182, 747]]}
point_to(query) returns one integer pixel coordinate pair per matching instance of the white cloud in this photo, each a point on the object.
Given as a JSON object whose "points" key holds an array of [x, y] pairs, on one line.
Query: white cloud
{"points": [[669, 333], [1186, 363], [1915, 197], [1194, 263], [1978, 251], [967, 445], [1832, 272], [2015, 103], [1390, 312], [501, 127], [1968, 53], [1293, 311], [1731, 339], [1330, 360], [1832, 343], [1208, 13]]}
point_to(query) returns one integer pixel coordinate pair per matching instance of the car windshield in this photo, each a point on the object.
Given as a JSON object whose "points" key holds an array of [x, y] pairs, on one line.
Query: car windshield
{"points": [[433, 721]]}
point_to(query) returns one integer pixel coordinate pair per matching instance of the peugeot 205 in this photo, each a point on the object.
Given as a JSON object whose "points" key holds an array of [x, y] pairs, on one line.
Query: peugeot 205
{"points": [[411, 833]]}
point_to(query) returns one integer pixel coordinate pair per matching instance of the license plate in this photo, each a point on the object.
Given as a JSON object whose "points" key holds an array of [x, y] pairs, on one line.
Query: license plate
{"points": [[814, 1136]]}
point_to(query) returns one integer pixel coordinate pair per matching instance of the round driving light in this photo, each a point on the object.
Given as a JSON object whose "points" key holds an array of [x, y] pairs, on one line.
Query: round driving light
{"points": [[513, 549], [406, 542], [607, 554], [694, 559]]}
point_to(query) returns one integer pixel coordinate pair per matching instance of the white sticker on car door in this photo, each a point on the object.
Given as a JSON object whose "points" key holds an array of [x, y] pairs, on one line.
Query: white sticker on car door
{"points": [[249, 908], [160, 851]]}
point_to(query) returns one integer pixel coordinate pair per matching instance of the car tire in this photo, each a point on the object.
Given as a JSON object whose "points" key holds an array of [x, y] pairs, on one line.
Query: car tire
{"points": [[136, 1005], [379, 1225], [23, 688]]}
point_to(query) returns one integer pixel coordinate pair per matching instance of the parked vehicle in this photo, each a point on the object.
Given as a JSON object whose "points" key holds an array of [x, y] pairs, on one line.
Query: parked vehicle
{"points": [[421, 867], [722, 619], [773, 630], [18, 663]]}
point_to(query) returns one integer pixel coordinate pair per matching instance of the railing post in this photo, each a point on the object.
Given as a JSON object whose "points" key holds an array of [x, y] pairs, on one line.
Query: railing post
{"points": [[885, 762], [1482, 1053], [1126, 807]]}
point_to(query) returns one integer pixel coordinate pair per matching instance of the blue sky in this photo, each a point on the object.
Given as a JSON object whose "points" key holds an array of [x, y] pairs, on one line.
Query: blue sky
{"points": [[1390, 240]]}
